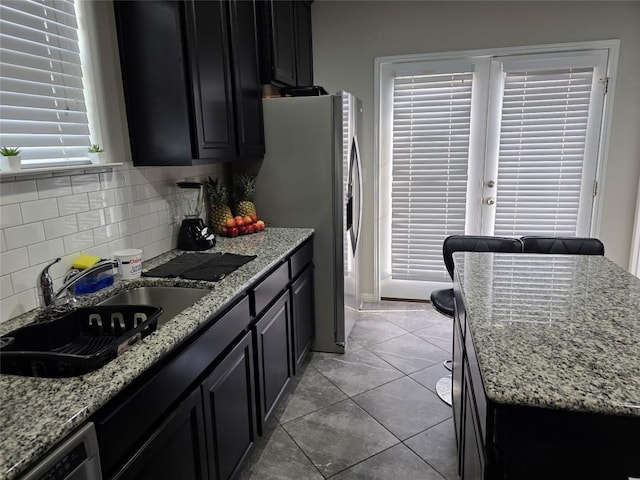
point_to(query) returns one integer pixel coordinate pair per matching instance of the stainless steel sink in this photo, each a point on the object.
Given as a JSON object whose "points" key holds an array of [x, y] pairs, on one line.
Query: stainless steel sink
{"points": [[173, 300]]}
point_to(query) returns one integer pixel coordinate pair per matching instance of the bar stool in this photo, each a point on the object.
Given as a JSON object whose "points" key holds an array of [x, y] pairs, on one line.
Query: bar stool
{"points": [[442, 300]]}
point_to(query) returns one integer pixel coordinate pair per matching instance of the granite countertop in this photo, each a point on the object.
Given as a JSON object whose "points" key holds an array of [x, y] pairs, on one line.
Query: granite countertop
{"points": [[36, 413], [554, 331]]}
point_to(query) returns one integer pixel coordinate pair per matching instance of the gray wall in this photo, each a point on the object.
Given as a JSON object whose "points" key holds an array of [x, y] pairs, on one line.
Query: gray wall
{"points": [[348, 35]]}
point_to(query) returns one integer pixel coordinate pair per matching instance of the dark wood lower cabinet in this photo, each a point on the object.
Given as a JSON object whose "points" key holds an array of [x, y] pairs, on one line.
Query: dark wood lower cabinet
{"points": [[198, 413], [456, 383], [473, 461], [174, 450], [273, 347], [302, 314], [230, 411]]}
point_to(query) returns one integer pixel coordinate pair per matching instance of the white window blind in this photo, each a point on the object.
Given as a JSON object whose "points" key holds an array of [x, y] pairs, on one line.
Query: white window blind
{"points": [[431, 125], [43, 108], [541, 151]]}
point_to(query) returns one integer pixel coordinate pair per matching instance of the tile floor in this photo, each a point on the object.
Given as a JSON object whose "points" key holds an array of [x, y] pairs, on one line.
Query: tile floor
{"points": [[369, 414]]}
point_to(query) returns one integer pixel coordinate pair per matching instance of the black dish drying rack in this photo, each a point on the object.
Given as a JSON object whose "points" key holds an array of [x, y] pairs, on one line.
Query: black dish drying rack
{"points": [[79, 342]]}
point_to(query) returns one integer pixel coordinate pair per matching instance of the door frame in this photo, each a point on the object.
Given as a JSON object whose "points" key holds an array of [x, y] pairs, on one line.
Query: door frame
{"points": [[384, 63]]}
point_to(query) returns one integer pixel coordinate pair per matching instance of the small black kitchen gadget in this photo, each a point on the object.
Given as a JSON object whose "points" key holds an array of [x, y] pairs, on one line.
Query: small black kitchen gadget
{"points": [[194, 234], [303, 91], [79, 342]]}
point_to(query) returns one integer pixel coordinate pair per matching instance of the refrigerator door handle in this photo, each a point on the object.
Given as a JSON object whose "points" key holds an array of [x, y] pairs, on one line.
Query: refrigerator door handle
{"points": [[359, 194], [355, 170]]}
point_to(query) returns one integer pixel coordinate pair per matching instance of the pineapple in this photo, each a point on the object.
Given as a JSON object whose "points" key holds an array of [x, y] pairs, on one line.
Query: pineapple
{"points": [[219, 211], [244, 192]]}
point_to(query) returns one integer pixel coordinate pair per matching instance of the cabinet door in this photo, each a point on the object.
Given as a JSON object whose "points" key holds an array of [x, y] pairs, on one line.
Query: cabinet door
{"points": [[208, 51], [302, 313], [304, 50], [472, 450], [230, 411], [157, 99], [283, 42], [247, 93], [457, 382], [273, 346], [175, 450]]}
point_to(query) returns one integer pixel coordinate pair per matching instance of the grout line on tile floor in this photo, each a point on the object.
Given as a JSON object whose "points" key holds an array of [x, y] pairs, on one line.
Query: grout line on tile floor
{"points": [[301, 449], [404, 442], [364, 460], [351, 396]]}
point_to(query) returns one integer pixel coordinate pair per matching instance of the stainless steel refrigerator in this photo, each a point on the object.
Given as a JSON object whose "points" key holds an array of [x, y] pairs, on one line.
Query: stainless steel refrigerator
{"points": [[311, 177]]}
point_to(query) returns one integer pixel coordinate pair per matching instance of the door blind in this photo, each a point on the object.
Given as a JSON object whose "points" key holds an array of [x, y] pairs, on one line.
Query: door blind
{"points": [[542, 146], [43, 109], [431, 125]]}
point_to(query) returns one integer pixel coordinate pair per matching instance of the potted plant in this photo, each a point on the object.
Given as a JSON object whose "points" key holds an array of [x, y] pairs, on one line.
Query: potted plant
{"points": [[10, 158], [96, 154]]}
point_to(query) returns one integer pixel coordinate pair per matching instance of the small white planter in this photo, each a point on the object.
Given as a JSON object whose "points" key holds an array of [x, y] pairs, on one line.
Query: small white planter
{"points": [[11, 163], [97, 158]]}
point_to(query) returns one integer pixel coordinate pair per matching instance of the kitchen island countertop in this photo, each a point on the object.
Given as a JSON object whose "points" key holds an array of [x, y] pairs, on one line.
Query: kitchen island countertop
{"points": [[36, 413], [554, 331]]}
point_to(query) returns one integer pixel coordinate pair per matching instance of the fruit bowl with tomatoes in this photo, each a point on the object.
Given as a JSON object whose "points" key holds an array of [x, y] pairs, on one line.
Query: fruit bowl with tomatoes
{"points": [[242, 226]]}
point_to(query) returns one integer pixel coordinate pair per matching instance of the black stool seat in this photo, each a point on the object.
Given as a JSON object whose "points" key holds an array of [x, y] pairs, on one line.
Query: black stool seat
{"points": [[442, 301]]}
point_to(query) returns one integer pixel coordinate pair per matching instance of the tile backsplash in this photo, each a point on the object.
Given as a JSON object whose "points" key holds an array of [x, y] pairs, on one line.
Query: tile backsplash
{"points": [[62, 215]]}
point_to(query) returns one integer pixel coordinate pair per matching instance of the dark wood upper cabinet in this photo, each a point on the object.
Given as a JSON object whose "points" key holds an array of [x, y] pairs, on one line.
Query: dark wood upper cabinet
{"points": [[304, 52], [190, 76], [286, 54], [247, 94], [208, 48]]}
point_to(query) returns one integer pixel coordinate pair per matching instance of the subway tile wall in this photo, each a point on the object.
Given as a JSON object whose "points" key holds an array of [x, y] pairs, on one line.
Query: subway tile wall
{"points": [[62, 215]]}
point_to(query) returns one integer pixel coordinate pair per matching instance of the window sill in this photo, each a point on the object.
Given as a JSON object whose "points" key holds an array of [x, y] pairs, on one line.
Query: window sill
{"points": [[44, 172]]}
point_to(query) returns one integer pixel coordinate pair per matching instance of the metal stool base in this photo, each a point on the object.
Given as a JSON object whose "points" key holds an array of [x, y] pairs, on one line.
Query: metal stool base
{"points": [[443, 389]]}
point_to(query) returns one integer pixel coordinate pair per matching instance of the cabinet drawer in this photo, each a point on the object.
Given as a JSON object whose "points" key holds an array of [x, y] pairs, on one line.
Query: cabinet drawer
{"points": [[124, 423], [269, 288], [300, 259]]}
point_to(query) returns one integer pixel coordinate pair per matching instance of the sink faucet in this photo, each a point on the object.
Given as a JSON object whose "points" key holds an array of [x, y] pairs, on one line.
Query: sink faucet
{"points": [[48, 295]]}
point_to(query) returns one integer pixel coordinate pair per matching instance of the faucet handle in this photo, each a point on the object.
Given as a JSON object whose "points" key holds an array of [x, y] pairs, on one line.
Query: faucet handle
{"points": [[45, 284]]}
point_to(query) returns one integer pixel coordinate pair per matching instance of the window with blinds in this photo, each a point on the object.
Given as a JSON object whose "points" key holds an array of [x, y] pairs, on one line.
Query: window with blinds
{"points": [[541, 151], [43, 107], [431, 125]]}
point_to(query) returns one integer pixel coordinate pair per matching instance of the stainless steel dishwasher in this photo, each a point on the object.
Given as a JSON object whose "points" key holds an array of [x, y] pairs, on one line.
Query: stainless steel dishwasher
{"points": [[76, 458]]}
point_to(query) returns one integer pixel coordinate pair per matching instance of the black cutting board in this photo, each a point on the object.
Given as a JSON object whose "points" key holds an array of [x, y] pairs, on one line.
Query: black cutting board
{"points": [[200, 266]]}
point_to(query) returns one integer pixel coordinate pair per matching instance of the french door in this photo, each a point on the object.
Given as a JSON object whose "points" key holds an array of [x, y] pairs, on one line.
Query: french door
{"points": [[496, 145]]}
